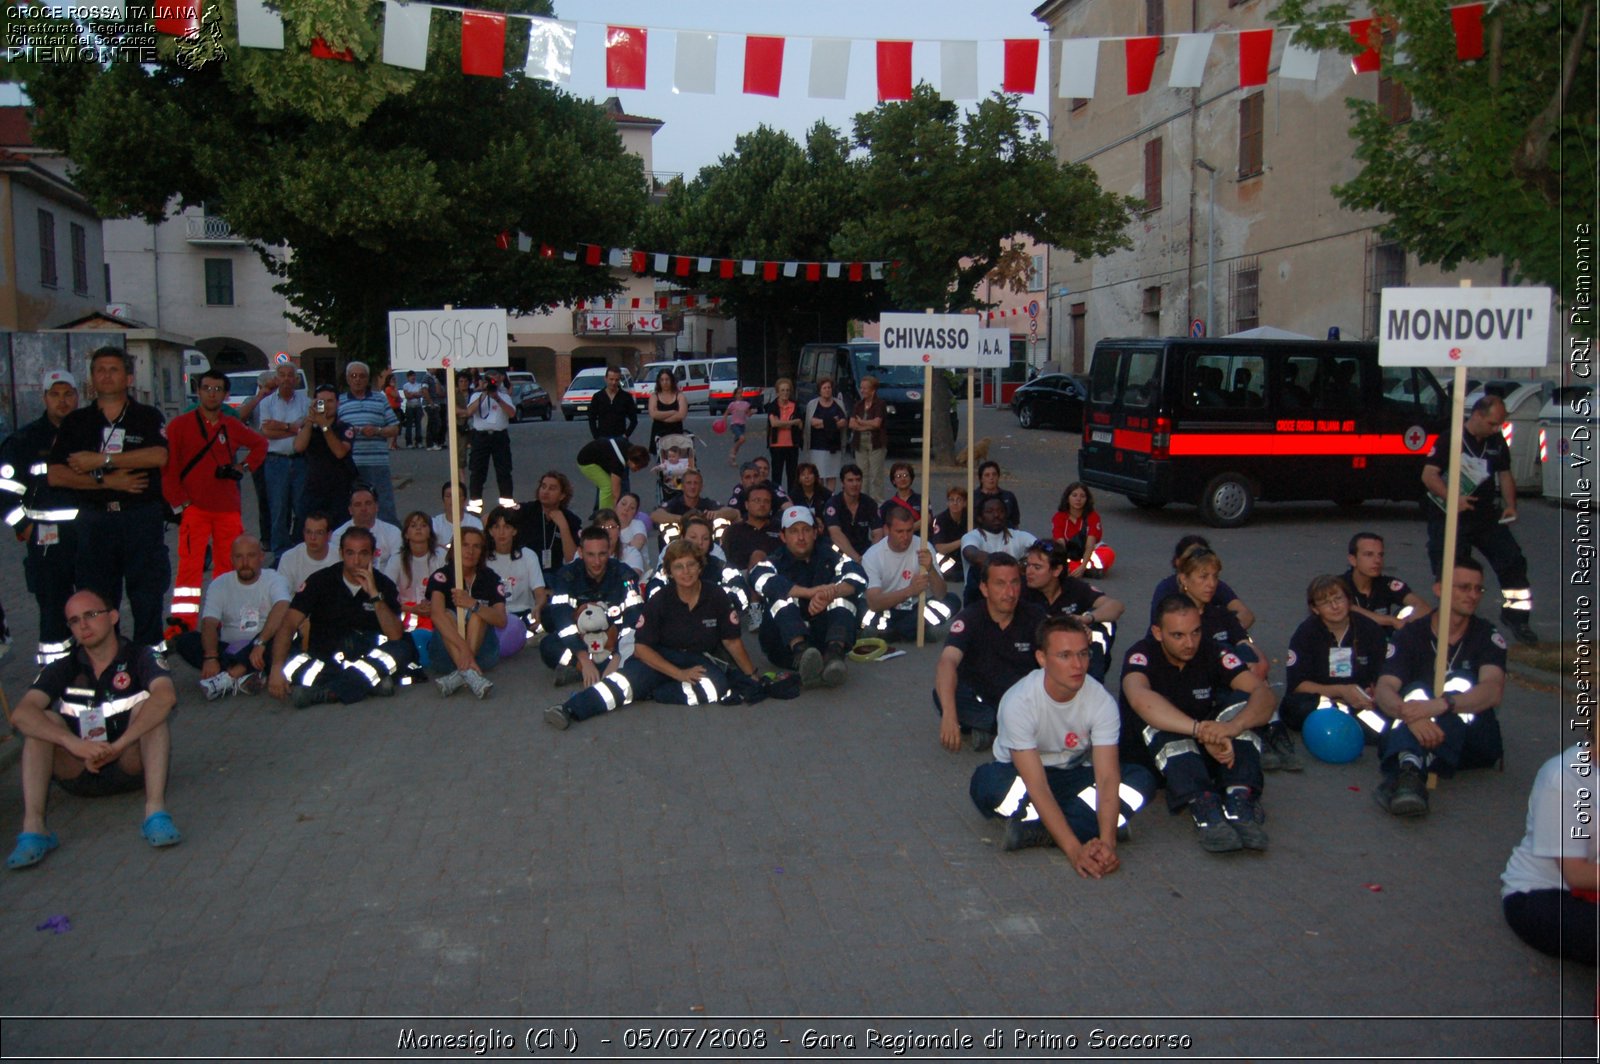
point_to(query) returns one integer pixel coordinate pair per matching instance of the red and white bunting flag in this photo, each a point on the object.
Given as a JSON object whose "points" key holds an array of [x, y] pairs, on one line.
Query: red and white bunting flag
{"points": [[625, 57], [661, 302], [483, 44], [615, 258], [813, 271], [320, 49], [763, 65], [894, 70], [1365, 31], [855, 271], [662, 262], [680, 266], [405, 34], [1298, 63], [502, 240], [550, 46], [1140, 53], [830, 68], [181, 20], [259, 25], [688, 301], [640, 263], [791, 269], [724, 268], [1468, 23], [1021, 66], [1080, 61], [591, 254], [694, 67], [635, 303], [608, 302], [1255, 53], [769, 271], [747, 267], [1189, 61], [958, 70], [546, 251], [702, 265]]}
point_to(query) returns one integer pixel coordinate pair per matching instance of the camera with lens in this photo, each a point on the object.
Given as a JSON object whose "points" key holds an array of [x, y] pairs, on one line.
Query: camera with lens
{"points": [[228, 472]]}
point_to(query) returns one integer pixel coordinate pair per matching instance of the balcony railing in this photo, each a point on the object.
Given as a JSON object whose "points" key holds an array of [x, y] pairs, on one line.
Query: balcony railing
{"points": [[208, 230], [656, 181]]}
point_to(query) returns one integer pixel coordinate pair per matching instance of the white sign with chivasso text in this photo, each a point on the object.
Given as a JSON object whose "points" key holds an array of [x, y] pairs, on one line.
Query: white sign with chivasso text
{"points": [[950, 341]]}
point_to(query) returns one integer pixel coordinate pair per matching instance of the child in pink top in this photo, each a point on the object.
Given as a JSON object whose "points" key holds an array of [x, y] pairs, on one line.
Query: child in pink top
{"points": [[737, 413]]}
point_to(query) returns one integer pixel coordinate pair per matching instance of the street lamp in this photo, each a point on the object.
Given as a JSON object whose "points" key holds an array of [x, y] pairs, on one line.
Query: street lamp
{"points": [[1211, 246]]}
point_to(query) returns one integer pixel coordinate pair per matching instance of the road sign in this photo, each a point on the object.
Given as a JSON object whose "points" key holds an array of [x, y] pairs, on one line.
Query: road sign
{"points": [[1197, 328], [949, 340], [1464, 327], [1033, 308], [447, 339]]}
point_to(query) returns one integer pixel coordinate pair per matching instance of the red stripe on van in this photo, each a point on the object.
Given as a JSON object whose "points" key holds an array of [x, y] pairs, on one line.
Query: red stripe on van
{"points": [[1302, 443], [1124, 440]]}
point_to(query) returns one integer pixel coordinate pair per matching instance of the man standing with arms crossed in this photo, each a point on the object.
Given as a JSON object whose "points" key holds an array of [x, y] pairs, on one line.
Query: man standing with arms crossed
{"points": [[283, 411], [368, 413], [872, 440]]}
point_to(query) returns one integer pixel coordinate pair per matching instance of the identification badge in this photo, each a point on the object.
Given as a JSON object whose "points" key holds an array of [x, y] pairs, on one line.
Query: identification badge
{"points": [[113, 440], [250, 618], [47, 535], [92, 724], [544, 558], [1341, 662]]}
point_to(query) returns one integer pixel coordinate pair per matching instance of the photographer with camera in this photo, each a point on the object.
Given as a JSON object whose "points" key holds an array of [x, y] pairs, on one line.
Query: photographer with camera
{"points": [[201, 479], [326, 441], [489, 414]]}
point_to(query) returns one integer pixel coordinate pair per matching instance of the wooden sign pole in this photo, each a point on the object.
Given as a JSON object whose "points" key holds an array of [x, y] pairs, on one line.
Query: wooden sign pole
{"points": [[927, 453]]}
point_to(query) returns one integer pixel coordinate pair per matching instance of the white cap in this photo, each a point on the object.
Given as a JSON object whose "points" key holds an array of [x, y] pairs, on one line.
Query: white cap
{"points": [[798, 515], [53, 377]]}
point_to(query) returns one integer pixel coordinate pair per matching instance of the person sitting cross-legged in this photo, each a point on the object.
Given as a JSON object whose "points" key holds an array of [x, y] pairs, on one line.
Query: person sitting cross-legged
{"points": [[682, 626], [899, 569], [990, 647], [1195, 703], [462, 657], [355, 645], [809, 588], [1056, 756], [595, 580], [95, 721], [1334, 660], [240, 618]]}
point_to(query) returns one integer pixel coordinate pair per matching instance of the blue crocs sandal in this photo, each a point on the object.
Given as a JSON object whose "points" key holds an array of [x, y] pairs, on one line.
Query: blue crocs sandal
{"points": [[31, 849], [158, 830]]}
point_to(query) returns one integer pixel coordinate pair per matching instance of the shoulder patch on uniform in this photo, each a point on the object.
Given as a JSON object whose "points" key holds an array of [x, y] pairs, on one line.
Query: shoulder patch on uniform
{"points": [[1291, 658], [958, 627], [1230, 660], [121, 680], [1138, 659], [1498, 640], [301, 588], [1389, 653], [733, 617], [832, 511], [500, 587], [1396, 585]]}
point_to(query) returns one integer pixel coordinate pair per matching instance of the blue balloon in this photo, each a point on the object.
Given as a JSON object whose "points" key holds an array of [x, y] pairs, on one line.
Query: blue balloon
{"points": [[1333, 736]]}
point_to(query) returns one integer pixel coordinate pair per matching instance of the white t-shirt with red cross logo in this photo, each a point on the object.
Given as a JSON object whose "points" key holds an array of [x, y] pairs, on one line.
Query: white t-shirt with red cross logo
{"points": [[1062, 732], [890, 570]]}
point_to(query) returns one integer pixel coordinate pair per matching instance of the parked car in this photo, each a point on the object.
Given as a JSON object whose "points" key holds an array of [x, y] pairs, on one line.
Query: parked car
{"points": [[724, 378], [575, 400], [242, 385], [530, 400], [693, 375], [1053, 400]]}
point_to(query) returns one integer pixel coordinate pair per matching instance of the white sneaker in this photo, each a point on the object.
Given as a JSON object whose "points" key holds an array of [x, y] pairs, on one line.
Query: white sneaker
{"points": [[449, 685], [218, 686], [480, 684]]}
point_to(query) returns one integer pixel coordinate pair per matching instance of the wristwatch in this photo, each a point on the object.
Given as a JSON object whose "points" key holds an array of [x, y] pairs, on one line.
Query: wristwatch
{"points": [[99, 474]]}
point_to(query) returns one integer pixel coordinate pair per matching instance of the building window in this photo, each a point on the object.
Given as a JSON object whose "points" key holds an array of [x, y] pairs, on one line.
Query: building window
{"points": [[1152, 310], [1386, 268], [1250, 121], [1078, 313], [219, 282], [1155, 18], [1244, 294], [1080, 102], [1152, 174], [80, 259], [1036, 274], [47, 249]]}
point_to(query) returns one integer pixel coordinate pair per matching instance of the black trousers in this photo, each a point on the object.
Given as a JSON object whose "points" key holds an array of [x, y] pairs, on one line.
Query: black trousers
{"points": [[487, 445]]}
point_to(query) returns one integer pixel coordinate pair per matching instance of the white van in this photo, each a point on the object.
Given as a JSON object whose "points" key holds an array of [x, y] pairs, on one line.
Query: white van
{"points": [[692, 374]]}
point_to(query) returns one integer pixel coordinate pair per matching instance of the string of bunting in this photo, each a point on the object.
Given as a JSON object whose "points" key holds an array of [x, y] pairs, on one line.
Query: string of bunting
{"points": [[552, 42], [668, 264]]}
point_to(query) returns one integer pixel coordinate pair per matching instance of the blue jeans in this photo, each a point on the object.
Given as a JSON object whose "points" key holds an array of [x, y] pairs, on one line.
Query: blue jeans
{"points": [[376, 477], [488, 655], [999, 792], [286, 479]]}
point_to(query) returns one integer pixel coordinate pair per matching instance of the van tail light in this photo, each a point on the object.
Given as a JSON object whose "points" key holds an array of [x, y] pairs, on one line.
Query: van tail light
{"points": [[1088, 430], [1161, 439]]}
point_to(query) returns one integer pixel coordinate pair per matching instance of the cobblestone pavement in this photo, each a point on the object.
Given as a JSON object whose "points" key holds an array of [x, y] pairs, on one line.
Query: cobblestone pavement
{"points": [[738, 870]]}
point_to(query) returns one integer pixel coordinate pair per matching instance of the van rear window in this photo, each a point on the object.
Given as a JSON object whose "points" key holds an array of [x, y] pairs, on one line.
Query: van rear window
{"points": [[1143, 387], [1103, 376]]}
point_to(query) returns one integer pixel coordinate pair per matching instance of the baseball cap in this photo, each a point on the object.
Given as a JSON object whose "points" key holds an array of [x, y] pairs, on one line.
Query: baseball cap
{"points": [[53, 377], [798, 515]]}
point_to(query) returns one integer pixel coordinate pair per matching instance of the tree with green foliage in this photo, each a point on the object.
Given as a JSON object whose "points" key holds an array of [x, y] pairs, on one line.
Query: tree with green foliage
{"points": [[1497, 158], [947, 193], [771, 199], [388, 186]]}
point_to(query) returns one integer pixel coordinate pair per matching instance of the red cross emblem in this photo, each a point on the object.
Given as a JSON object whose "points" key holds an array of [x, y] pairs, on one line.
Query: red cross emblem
{"points": [[1415, 437]]}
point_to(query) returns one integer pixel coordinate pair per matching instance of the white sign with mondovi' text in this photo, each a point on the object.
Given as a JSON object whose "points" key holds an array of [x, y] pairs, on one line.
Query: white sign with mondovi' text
{"points": [[1464, 327]]}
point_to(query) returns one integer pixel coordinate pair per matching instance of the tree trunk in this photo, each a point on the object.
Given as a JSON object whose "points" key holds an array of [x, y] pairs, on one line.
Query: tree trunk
{"points": [[943, 447]]}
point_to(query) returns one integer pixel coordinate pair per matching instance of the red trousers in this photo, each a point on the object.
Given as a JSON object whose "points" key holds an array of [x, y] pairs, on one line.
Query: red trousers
{"points": [[200, 527]]}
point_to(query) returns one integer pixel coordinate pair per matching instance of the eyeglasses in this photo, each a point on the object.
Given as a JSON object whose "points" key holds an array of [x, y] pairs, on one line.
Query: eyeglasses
{"points": [[73, 622], [1470, 589], [213, 387]]}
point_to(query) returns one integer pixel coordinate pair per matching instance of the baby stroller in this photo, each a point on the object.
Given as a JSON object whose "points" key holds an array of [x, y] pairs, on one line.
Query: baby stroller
{"points": [[674, 458]]}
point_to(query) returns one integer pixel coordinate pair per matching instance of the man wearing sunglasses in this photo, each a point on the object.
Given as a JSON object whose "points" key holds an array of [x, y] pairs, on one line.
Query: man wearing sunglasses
{"points": [[96, 722]]}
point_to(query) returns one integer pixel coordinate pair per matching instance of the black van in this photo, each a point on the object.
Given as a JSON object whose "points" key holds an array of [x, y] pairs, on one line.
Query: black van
{"points": [[1225, 422], [900, 387]]}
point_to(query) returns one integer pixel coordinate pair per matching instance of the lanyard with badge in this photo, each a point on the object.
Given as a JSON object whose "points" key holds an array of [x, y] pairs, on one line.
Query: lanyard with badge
{"points": [[1341, 659]]}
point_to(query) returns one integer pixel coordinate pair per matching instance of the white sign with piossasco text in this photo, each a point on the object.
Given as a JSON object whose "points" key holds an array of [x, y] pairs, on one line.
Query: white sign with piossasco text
{"points": [[1464, 327], [949, 341], [447, 339]]}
